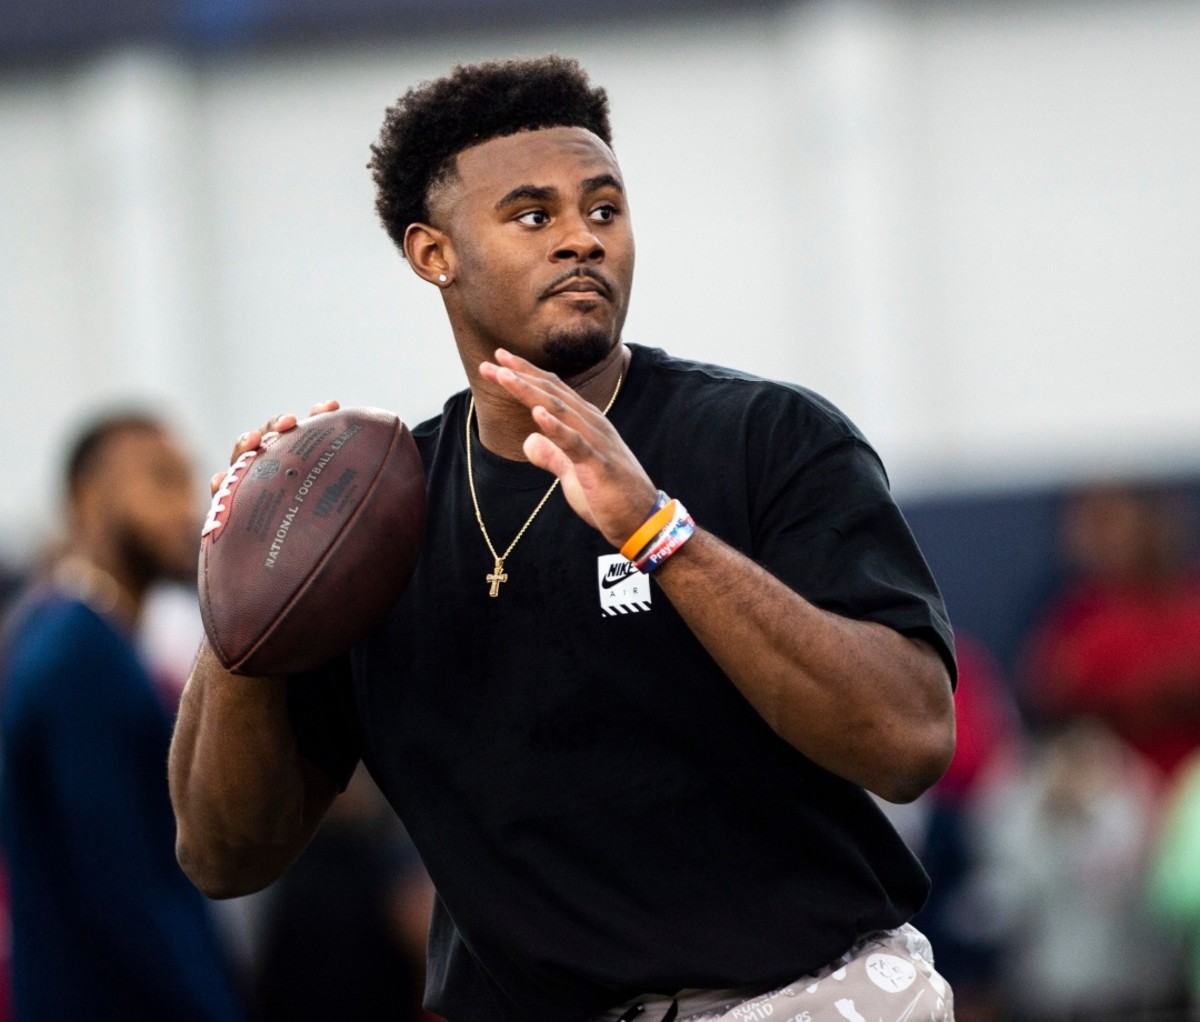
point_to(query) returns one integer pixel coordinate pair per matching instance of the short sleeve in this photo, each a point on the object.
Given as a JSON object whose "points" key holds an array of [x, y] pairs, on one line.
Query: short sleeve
{"points": [[324, 717], [827, 525]]}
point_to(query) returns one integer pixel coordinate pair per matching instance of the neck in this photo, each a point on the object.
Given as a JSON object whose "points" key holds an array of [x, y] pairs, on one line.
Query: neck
{"points": [[504, 423], [102, 586]]}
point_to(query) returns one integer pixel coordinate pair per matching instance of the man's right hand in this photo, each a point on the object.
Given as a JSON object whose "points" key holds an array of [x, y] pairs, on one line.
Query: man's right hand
{"points": [[245, 801], [250, 440]]}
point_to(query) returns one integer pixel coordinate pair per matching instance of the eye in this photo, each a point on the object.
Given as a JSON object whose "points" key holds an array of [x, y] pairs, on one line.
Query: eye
{"points": [[534, 218], [605, 213]]}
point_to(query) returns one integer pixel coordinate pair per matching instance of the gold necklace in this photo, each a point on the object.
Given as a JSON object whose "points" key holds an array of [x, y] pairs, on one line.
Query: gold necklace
{"points": [[95, 587], [498, 574]]}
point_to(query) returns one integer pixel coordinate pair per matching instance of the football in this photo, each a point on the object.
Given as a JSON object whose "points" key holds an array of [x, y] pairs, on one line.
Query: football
{"points": [[309, 541]]}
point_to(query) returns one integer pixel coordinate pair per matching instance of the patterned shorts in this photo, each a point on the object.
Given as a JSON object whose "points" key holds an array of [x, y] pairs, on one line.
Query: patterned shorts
{"points": [[887, 977]]}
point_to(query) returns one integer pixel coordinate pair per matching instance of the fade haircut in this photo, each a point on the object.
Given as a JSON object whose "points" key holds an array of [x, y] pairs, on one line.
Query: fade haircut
{"points": [[433, 122]]}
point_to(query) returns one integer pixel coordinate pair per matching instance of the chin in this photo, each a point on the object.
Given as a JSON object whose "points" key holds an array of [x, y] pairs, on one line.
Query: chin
{"points": [[148, 561], [183, 573], [575, 351]]}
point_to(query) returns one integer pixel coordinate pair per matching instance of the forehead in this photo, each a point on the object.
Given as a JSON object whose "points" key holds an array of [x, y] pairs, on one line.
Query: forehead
{"points": [[150, 450], [547, 157], [130, 456]]}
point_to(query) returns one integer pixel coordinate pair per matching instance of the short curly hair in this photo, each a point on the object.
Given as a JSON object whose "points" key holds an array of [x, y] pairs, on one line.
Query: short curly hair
{"points": [[433, 122]]}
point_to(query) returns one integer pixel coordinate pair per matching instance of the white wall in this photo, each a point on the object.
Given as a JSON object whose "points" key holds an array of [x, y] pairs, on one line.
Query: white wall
{"points": [[974, 226]]}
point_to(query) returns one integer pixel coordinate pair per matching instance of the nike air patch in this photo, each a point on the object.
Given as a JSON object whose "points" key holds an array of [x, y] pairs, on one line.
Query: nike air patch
{"points": [[623, 589]]}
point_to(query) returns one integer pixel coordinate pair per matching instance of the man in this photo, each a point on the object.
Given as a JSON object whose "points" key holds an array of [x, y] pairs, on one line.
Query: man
{"points": [[632, 795], [105, 926], [1120, 642]]}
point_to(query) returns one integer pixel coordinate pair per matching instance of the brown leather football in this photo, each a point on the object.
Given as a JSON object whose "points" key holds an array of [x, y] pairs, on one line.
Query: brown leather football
{"points": [[309, 540]]}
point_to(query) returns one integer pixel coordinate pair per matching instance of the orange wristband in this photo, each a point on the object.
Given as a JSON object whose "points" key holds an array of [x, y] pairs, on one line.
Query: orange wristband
{"points": [[650, 528]]}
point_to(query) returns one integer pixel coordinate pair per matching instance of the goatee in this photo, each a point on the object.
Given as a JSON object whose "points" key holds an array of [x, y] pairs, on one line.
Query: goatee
{"points": [[145, 564], [572, 352]]}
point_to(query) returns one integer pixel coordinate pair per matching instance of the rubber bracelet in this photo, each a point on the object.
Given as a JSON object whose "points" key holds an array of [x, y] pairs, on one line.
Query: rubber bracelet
{"points": [[663, 535], [660, 516], [662, 551], [668, 541]]}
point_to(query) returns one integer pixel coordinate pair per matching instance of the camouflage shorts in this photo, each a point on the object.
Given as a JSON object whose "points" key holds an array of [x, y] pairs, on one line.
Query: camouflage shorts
{"points": [[888, 977]]}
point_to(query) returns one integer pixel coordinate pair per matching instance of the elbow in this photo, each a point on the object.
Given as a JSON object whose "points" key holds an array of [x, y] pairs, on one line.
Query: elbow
{"points": [[910, 781], [219, 876], [922, 747], [921, 763], [205, 876]]}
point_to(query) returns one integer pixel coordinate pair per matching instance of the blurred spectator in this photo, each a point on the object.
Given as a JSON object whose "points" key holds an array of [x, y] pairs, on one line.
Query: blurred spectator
{"points": [[9, 586], [169, 632], [959, 916], [1175, 886], [10, 583], [168, 635], [1067, 840], [105, 926], [345, 928], [5, 949], [1122, 643]]}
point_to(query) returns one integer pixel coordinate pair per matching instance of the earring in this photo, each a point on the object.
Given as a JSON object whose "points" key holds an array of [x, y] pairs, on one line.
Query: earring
{"points": [[442, 278]]}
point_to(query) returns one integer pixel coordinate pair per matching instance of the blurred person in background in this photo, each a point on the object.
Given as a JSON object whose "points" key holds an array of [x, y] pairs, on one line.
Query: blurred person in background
{"points": [[1067, 842], [1121, 643], [961, 914], [1175, 876], [10, 583], [104, 924], [1112, 685]]}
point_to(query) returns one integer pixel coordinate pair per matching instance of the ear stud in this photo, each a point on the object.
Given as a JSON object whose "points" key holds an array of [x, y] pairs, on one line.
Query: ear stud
{"points": [[442, 278]]}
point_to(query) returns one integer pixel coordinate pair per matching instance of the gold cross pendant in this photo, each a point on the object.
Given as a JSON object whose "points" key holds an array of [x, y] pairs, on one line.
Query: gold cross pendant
{"points": [[496, 577]]}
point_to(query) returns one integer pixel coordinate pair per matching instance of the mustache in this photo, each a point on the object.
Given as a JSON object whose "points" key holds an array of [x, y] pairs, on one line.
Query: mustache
{"points": [[579, 273]]}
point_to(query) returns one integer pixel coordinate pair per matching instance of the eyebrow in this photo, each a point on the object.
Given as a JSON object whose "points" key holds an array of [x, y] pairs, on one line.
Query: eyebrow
{"points": [[594, 184], [527, 193], [541, 193]]}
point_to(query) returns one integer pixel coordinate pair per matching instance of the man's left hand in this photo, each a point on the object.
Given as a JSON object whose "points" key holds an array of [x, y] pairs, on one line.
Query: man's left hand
{"points": [[602, 480]]}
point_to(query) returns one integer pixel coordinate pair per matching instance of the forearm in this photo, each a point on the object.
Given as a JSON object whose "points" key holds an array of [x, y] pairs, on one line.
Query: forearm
{"points": [[245, 802], [857, 698]]}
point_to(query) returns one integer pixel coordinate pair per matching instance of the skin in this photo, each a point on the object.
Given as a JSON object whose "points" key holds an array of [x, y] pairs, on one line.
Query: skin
{"points": [[536, 246], [524, 217], [133, 515]]}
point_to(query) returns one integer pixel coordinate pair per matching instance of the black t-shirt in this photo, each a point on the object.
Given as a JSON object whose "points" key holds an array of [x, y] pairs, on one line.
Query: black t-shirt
{"points": [[601, 811]]}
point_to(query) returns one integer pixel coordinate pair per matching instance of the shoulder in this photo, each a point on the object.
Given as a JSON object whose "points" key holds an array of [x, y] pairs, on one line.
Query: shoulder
{"points": [[714, 397], [428, 433], [53, 624], [49, 638]]}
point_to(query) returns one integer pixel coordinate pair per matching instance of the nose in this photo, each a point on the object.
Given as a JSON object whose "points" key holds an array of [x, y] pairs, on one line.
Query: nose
{"points": [[579, 243]]}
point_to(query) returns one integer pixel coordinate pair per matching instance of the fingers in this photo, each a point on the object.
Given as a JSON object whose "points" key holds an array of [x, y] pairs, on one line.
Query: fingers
{"points": [[514, 369], [570, 441], [557, 446], [254, 438], [524, 365], [277, 424], [575, 426], [601, 478], [535, 387]]}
